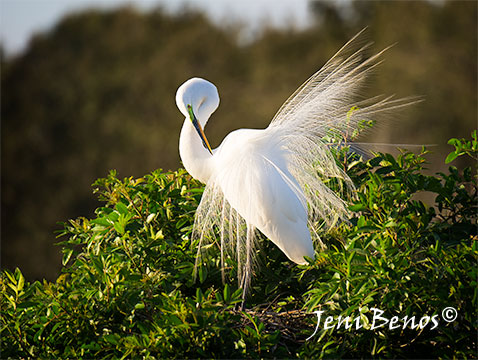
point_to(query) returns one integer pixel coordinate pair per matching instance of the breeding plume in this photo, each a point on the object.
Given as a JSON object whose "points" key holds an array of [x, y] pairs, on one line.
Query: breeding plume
{"points": [[274, 179]]}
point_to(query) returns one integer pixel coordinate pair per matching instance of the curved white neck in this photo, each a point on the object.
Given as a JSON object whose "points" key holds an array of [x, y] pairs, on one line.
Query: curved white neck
{"points": [[195, 157]]}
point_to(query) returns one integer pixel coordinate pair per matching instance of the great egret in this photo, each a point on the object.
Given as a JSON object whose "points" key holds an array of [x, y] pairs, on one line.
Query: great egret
{"points": [[273, 179]]}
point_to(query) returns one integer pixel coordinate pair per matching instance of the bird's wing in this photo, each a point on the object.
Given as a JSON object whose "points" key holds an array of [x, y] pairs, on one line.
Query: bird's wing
{"points": [[325, 107], [255, 181], [328, 99], [252, 188]]}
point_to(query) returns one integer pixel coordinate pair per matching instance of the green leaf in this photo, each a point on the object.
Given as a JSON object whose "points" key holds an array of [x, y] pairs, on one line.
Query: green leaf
{"points": [[66, 256], [27, 304], [139, 306], [21, 279], [357, 207], [227, 293], [202, 274], [451, 156], [119, 227], [122, 208], [111, 338], [102, 221]]}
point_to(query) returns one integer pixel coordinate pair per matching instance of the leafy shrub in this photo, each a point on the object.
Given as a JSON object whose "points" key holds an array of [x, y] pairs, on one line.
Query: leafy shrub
{"points": [[127, 288]]}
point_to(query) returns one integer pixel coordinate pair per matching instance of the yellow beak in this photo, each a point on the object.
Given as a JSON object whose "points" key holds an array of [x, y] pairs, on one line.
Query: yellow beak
{"points": [[199, 129]]}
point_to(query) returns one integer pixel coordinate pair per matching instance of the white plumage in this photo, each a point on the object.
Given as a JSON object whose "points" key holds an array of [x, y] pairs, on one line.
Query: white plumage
{"points": [[274, 179]]}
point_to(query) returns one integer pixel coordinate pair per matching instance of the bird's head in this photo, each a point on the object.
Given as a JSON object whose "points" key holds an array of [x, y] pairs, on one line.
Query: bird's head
{"points": [[197, 99]]}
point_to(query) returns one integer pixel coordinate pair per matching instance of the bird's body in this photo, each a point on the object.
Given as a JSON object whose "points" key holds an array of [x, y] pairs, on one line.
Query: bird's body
{"points": [[274, 179], [251, 170]]}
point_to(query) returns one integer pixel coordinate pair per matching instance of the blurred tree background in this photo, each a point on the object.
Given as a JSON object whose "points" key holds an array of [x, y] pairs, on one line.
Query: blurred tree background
{"points": [[97, 93]]}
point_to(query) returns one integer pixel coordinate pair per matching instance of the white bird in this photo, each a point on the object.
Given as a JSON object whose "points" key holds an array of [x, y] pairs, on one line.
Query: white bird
{"points": [[274, 179]]}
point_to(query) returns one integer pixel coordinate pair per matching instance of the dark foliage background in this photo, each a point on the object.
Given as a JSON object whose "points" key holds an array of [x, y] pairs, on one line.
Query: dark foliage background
{"points": [[97, 93]]}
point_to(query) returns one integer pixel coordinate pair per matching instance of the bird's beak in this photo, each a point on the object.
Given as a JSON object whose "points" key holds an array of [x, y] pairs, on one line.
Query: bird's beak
{"points": [[199, 129]]}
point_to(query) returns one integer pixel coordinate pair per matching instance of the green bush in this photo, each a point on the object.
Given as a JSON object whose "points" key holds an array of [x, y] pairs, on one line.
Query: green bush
{"points": [[127, 288]]}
